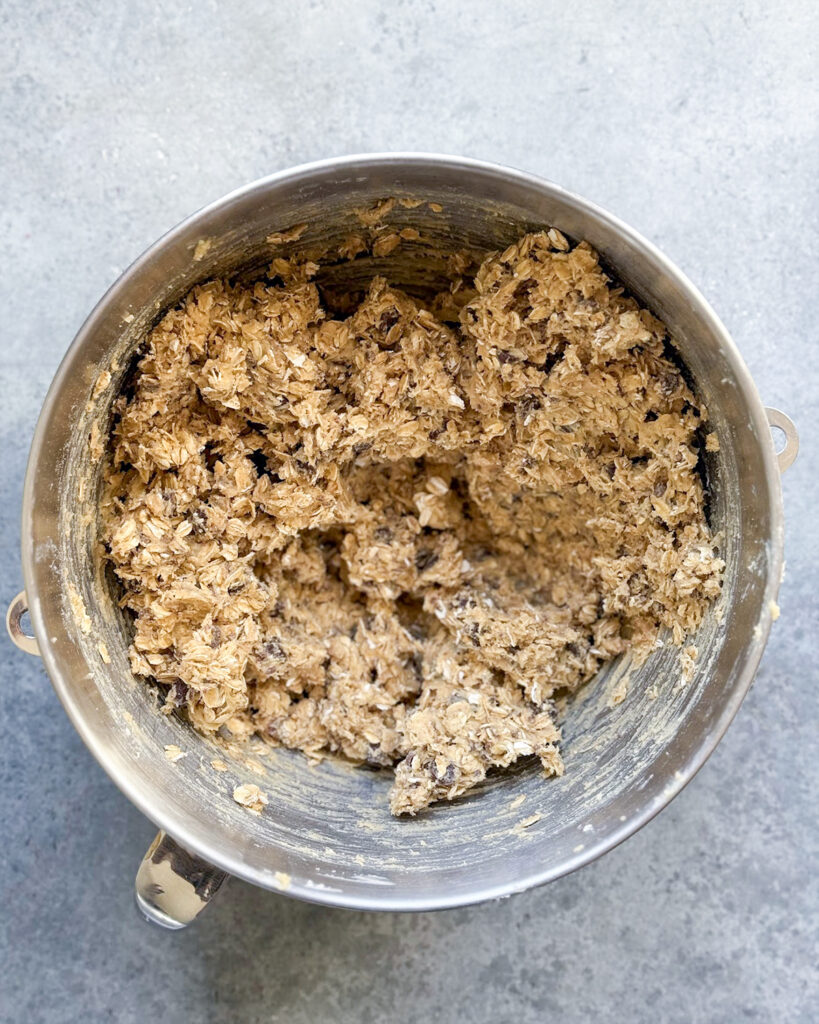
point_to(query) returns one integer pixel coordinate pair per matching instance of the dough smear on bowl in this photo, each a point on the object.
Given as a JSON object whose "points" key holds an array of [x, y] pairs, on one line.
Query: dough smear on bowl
{"points": [[398, 538]]}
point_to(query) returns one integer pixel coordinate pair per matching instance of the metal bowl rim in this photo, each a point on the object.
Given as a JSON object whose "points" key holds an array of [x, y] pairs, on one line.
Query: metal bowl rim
{"points": [[130, 785]]}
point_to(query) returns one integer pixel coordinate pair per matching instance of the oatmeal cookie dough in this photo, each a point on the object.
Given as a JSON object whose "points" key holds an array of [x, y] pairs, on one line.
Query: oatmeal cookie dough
{"points": [[397, 538]]}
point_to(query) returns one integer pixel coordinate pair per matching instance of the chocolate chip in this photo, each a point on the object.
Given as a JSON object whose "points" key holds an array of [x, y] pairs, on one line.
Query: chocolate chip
{"points": [[445, 778], [376, 757], [506, 357], [383, 533], [272, 649], [178, 693], [389, 318], [425, 559], [529, 404], [199, 521], [668, 383]]}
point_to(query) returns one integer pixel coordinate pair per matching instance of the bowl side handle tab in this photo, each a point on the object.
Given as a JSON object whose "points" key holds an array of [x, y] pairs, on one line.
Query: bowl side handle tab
{"points": [[173, 886]]}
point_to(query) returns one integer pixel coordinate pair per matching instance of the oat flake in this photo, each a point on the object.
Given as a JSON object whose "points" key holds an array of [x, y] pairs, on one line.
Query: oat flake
{"points": [[250, 796]]}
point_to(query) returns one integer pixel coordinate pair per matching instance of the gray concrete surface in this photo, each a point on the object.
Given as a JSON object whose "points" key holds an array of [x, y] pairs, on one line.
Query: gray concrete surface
{"points": [[695, 122]]}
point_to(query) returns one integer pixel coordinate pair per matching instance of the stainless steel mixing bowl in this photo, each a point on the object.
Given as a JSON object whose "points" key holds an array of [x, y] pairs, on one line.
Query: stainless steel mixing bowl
{"points": [[326, 835]]}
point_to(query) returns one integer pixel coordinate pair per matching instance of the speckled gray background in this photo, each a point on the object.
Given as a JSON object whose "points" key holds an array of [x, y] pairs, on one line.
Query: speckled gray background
{"points": [[696, 123]]}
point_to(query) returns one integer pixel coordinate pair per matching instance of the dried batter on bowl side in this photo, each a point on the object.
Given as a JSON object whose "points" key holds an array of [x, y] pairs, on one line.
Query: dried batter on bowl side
{"points": [[396, 538]]}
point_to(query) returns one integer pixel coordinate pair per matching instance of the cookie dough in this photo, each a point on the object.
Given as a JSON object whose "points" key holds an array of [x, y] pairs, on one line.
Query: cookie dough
{"points": [[399, 538]]}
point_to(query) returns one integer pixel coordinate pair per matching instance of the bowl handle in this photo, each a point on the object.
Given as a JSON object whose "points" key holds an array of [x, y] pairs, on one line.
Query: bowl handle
{"points": [[174, 886], [785, 458], [14, 624]]}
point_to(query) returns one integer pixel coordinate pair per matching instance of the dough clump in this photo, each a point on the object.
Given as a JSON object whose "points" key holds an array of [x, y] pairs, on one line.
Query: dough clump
{"points": [[399, 537]]}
